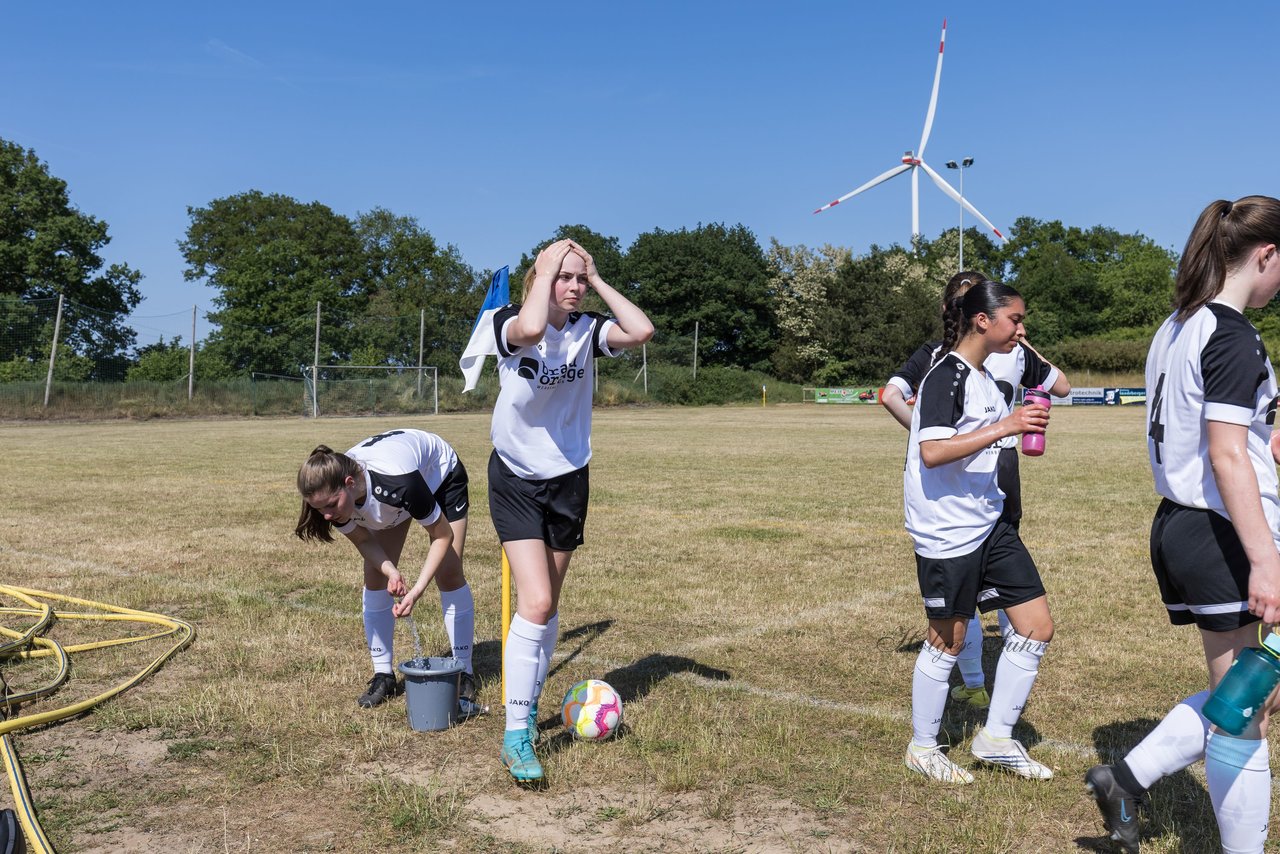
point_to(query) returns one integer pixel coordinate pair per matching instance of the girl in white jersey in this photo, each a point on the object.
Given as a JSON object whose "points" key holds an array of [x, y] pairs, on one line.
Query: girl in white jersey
{"points": [[1211, 400], [370, 494], [1025, 367], [538, 478], [967, 556]]}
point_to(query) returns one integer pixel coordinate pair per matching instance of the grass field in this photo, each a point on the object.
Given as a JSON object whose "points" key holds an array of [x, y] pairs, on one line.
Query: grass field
{"points": [[746, 584]]}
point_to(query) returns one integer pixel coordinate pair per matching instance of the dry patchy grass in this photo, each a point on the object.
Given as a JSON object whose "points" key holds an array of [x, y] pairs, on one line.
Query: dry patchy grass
{"points": [[746, 584]]}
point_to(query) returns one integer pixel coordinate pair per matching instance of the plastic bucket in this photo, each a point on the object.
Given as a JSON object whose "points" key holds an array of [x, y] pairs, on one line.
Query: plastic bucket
{"points": [[431, 692]]}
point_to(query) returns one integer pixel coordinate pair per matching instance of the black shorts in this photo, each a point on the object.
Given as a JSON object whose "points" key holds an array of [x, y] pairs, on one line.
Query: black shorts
{"points": [[452, 495], [1010, 483], [1201, 568], [998, 574], [552, 510]]}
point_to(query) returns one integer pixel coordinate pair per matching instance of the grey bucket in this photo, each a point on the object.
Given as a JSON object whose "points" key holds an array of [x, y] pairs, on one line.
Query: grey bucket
{"points": [[431, 692]]}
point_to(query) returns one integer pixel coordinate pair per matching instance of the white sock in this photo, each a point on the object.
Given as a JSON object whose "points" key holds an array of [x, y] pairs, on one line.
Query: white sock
{"points": [[459, 611], [1238, 771], [379, 628], [520, 669], [1005, 625], [545, 652], [1015, 674], [970, 657], [1176, 742], [929, 694]]}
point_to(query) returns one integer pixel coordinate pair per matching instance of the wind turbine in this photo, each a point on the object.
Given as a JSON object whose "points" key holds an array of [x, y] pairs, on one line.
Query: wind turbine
{"points": [[915, 162]]}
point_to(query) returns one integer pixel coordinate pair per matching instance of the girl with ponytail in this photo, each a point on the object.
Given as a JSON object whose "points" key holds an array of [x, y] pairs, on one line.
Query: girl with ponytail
{"points": [[370, 494], [968, 557], [1022, 367], [1211, 402]]}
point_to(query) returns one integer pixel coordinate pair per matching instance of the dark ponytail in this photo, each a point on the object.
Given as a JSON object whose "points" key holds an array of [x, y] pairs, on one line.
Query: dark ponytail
{"points": [[1223, 236], [324, 472], [985, 297]]}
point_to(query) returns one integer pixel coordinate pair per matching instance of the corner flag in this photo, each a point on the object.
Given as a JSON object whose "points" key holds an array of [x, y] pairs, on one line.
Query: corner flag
{"points": [[483, 342]]}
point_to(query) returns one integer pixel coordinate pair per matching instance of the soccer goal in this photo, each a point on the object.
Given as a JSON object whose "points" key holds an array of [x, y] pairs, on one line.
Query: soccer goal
{"points": [[371, 389]]}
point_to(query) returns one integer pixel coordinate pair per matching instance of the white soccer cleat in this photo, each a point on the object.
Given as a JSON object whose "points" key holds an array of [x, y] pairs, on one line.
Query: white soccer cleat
{"points": [[1008, 753], [935, 765]]}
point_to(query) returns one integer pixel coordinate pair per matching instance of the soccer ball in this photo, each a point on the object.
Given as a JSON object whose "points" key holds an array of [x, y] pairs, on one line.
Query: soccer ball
{"points": [[592, 710]]}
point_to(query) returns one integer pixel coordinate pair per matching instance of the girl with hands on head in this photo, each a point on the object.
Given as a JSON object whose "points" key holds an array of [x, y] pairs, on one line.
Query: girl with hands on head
{"points": [[370, 494], [968, 556], [539, 481]]}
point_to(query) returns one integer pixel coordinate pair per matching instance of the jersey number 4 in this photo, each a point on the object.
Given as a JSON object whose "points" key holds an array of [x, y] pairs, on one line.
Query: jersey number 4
{"points": [[1156, 429], [373, 440]]}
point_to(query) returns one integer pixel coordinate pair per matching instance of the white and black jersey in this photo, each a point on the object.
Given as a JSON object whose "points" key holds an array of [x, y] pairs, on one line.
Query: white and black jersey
{"points": [[951, 508], [402, 470], [1211, 367], [542, 420], [1021, 367]]}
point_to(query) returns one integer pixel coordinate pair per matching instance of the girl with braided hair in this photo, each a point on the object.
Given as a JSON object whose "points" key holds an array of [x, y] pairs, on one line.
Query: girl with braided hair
{"points": [[370, 494], [967, 556], [1021, 367]]}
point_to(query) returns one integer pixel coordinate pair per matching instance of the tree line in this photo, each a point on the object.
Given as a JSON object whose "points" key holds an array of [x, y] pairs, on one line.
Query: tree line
{"points": [[813, 315]]}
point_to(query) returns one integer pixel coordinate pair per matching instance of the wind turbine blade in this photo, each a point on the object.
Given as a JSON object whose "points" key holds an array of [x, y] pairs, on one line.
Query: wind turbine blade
{"points": [[933, 99], [915, 203], [956, 197], [881, 178]]}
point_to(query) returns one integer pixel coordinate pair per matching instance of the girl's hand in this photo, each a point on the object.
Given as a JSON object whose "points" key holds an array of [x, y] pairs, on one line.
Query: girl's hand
{"points": [[1264, 590], [549, 259], [1029, 418], [1275, 446], [395, 584], [592, 275], [404, 607]]}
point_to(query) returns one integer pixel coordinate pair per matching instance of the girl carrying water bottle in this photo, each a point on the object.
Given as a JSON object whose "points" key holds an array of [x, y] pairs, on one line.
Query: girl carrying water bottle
{"points": [[370, 494], [1211, 405], [967, 556], [1021, 366]]}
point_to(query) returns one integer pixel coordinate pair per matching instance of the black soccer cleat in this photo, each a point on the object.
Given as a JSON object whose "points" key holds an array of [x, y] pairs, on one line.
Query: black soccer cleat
{"points": [[382, 687], [1119, 808]]}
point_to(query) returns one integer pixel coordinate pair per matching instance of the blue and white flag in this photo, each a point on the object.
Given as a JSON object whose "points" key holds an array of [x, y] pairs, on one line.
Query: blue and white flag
{"points": [[483, 342]]}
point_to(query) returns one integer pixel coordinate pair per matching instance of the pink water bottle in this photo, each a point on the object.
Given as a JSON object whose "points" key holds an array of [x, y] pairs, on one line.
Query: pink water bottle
{"points": [[1033, 443]]}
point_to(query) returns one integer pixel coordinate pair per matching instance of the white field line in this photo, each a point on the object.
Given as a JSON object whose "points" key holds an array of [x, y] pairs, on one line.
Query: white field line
{"points": [[785, 697]]}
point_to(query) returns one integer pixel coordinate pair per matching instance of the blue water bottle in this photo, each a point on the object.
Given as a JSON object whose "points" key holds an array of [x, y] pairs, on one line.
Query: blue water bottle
{"points": [[1249, 681]]}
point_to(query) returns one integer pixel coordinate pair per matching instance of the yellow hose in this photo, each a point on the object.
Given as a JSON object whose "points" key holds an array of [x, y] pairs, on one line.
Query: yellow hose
{"points": [[28, 643]]}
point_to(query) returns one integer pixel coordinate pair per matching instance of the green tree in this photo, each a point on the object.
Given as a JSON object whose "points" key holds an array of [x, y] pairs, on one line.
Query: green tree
{"points": [[47, 248], [711, 275], [882, 306], [272, 258], [801, 280], [408, 273]]}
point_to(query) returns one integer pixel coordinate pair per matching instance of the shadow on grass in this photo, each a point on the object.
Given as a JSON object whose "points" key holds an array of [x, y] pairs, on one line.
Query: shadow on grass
{"points": [[1179, 803], [634, 682]]}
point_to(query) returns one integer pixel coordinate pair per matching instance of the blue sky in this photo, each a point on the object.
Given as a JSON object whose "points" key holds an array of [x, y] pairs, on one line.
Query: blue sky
{"points": [[493, 123]]}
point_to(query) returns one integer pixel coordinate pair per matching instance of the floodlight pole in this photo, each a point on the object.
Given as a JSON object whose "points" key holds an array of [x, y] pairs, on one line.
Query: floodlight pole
{"points": [[962, 165], [422, 331]]}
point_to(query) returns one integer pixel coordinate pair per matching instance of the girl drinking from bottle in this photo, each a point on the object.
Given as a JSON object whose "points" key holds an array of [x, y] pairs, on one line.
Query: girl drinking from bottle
{"points": [[967, 556], [369, 494], [1211, 401], [1023, 366], [538, 476]]}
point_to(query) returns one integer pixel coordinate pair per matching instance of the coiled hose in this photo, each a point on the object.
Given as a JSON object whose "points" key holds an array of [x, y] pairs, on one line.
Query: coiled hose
{"points": [[30, 643]]}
